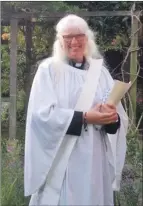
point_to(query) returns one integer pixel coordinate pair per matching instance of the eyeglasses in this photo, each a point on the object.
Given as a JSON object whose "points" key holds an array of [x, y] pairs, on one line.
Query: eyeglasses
{"points": [[78, 37]]}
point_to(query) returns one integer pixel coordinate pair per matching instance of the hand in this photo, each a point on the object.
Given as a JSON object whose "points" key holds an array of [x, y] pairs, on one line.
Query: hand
{"points": [[105, 108], [96, 117]]}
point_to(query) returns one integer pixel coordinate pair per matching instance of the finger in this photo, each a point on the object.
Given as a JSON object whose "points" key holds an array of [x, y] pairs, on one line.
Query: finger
{"points": [[111, 106], [107, 115], [97, 105], [108, 110], [114, 115], [106, 107], [111, 120], [107, 122]]}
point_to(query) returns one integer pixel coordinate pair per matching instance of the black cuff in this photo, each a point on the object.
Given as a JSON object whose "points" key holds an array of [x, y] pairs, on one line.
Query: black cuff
{"points": [[76, 124], [113, 127]]}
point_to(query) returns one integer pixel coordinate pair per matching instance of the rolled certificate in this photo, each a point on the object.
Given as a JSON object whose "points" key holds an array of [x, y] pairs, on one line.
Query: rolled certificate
{"points": [[118, 92]]}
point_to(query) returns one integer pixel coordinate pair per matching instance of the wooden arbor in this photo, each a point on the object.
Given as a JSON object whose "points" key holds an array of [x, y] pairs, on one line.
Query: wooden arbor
{"points": [[15, 19]]}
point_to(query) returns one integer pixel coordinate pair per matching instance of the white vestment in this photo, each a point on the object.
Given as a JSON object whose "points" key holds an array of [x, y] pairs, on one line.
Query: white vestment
{"points": [[96, 160]]}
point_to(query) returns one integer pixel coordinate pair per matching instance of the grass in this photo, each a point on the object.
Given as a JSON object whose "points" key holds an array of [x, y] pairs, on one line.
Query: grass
{"points": [[12, 173], [12, 177]]}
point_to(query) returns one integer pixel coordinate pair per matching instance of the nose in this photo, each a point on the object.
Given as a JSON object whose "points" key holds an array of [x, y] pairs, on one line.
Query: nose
{"points": [[74, 40]]}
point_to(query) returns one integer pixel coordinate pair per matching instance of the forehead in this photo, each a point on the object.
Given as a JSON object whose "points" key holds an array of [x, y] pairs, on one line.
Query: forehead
{"points": [[73, 30]]}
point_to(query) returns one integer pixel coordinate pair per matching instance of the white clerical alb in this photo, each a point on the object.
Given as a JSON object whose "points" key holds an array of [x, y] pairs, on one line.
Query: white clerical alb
{"points": [[62, 169]]}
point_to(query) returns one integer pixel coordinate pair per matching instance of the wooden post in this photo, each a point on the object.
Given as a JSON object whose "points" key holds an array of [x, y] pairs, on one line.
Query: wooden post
{"points": [[13, 78], [133, 68], [27, 83]]}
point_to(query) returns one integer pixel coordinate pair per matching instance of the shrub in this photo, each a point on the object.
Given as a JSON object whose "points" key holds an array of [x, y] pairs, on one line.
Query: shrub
{"points": [[12, 177]]}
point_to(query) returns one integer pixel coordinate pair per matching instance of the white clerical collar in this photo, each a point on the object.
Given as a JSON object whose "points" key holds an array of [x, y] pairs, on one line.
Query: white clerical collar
{"points": [[78, 64]]}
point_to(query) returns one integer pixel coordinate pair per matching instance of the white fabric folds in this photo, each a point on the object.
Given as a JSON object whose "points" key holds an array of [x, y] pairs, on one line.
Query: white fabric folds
{"points": [[54, 161]]}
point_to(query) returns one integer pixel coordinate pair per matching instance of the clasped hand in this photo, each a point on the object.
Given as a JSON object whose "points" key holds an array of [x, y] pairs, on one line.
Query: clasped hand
{"points": [[102, 114]]}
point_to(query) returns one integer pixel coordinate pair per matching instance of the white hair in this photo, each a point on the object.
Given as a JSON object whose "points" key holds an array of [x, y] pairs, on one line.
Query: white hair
{"points": [[69, 22]]}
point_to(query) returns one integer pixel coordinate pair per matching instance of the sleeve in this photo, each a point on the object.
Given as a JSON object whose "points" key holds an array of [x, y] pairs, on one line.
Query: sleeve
{"points": [[113, 127], [76, 124], [46, 127]]}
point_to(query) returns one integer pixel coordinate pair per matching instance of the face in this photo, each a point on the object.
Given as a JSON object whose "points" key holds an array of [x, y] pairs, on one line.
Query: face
{"points": [[74, 43]]}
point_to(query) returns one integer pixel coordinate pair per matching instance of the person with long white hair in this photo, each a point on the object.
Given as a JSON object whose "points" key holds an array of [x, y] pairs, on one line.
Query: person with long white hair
{"points": [[75, 142], [81, 27]]}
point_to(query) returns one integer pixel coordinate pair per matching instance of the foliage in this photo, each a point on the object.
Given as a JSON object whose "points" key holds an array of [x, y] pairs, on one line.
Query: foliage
{"points": [[4, 115], [12, 176], [108, 37], [43, 34], [20, 107], [131, 185], [38, 7], [12, 173], [106, 33], [108, 29], [5, 65], [134, 149]]}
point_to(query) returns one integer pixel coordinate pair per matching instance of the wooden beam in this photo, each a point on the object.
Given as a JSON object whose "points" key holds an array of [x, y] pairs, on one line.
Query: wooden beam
{"points": [[13, 78], [88, 14], [23, 22], [133, 68], [55, 15]]}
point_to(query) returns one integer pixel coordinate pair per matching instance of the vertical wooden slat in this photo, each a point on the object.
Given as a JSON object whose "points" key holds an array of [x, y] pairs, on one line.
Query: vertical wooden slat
{"points": [[27, 72], [13, 78], [0, 107], [133, 68]]}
